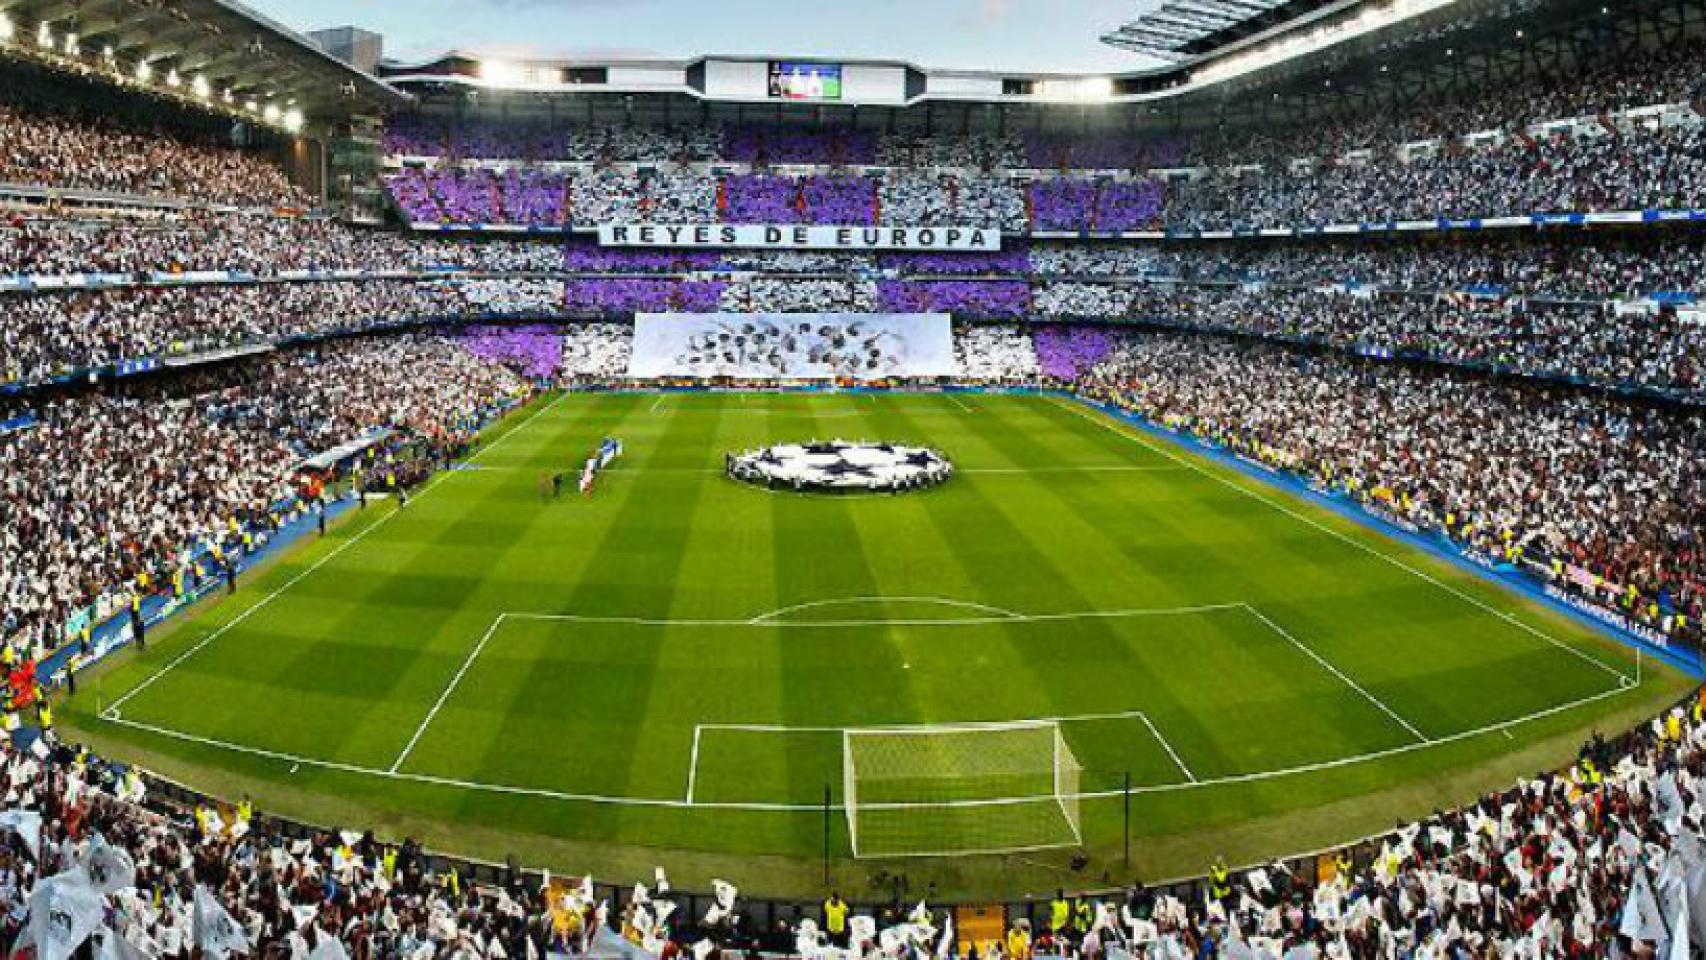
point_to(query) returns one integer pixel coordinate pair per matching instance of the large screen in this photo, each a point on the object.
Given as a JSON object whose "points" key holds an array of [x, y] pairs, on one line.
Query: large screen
{"points": [[787, 346], [792, 80]]}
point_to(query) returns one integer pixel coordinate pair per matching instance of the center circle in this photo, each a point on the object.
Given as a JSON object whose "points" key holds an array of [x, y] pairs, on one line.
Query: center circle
{"points": [[840, 466]]}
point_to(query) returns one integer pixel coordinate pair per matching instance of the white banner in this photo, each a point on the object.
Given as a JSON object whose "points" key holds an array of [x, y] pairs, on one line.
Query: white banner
{"points": [[787, 346], [792, 237]]}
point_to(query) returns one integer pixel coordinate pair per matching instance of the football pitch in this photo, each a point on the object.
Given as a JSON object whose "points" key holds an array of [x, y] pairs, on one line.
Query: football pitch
{"points": [[678, 668]]}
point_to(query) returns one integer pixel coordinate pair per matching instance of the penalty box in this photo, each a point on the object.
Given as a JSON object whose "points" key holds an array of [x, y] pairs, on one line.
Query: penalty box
{"points": [[1140, 691], [751, 712]]}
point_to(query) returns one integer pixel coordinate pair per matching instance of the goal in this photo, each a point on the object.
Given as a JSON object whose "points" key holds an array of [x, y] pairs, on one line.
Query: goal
{"points": [[946, 790]]}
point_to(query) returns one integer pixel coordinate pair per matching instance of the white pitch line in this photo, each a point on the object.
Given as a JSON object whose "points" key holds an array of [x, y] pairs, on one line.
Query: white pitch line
{"points": [[1167, 747], [963, 471], [852, 601], [693, 764], [477, 786], [1126, 468], [880, 622], [1335, 671], [1106, 423], [924, 726], [1400, 750], [658, 402], [293, 581], [956, 401], [444, 695]]}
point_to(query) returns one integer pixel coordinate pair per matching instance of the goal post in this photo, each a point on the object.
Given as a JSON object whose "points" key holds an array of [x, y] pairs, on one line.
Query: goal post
{"points": [[946, 790]]}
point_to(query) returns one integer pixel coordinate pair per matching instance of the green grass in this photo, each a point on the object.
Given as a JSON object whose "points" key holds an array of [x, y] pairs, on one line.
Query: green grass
{"points": [[1183, 617]]}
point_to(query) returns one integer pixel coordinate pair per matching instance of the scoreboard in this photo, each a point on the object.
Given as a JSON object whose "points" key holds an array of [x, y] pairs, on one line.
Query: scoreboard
{"points": [[797, 80]]}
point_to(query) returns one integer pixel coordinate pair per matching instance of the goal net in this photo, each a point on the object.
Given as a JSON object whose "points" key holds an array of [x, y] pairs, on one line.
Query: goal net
{"points": [[972, 788]]}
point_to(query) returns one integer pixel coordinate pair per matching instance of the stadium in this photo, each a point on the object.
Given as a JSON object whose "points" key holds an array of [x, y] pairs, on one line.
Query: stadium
{"points": [[1249, 503]]}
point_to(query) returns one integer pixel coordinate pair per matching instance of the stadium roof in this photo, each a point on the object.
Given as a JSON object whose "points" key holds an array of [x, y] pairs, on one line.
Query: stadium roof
{"points": [[1180, 30], [218, 51]]}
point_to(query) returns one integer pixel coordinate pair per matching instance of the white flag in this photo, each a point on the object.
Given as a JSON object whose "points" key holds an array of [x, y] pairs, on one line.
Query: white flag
{"points": [[216, 931], [1641, 920], [64, 910], [1667, 804], [327, 947], [27, 825], [724, 894], [110, 868], [113, 946], [1679, 928], [945, 947]]}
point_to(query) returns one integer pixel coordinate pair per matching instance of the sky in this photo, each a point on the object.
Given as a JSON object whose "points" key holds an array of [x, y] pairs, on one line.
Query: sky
{"points": [[1023, 35]]}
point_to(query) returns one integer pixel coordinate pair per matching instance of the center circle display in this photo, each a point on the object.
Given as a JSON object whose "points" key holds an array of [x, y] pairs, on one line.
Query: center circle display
{"points": [[838, 466]]}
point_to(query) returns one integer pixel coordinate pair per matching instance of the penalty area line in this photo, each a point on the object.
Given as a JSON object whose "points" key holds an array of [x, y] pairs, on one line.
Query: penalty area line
{"points": [[444, 694], [693, 764], [1167, 747], [1309, 652]]}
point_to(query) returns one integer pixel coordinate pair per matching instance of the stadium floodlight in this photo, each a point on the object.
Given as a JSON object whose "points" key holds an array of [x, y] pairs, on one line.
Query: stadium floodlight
{"points": [[173, 80], [6, 28], [1082, 89], [200, 87], [503, 73], [293, 120], [72, 44], [44, 36], [270, 113], [953, 789], [144, 72]]}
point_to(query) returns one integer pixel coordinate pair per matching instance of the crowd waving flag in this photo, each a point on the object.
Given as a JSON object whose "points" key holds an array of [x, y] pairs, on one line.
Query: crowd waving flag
{"points": [[64, 910], [216, 931]]}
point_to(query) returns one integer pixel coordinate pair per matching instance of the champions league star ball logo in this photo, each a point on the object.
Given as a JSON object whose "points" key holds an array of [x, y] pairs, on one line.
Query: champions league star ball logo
{"points": [[836, 466]]}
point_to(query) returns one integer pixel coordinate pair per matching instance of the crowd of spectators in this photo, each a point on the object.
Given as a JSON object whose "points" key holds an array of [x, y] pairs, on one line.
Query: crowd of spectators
{"points": [[1651, 347], [257, 244], [597, 350], [1555, 265], [1589, 170], [1342, 169], [799, 295], [621, 296], [100, 488], [1583, 173], [1656, 349], [51, 146], [996, 353], [51, 334]]}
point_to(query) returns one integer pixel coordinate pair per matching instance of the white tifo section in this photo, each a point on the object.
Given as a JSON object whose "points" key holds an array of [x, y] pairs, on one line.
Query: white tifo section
{"points": [[805, 346], [996, 353], [597, 349]]}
